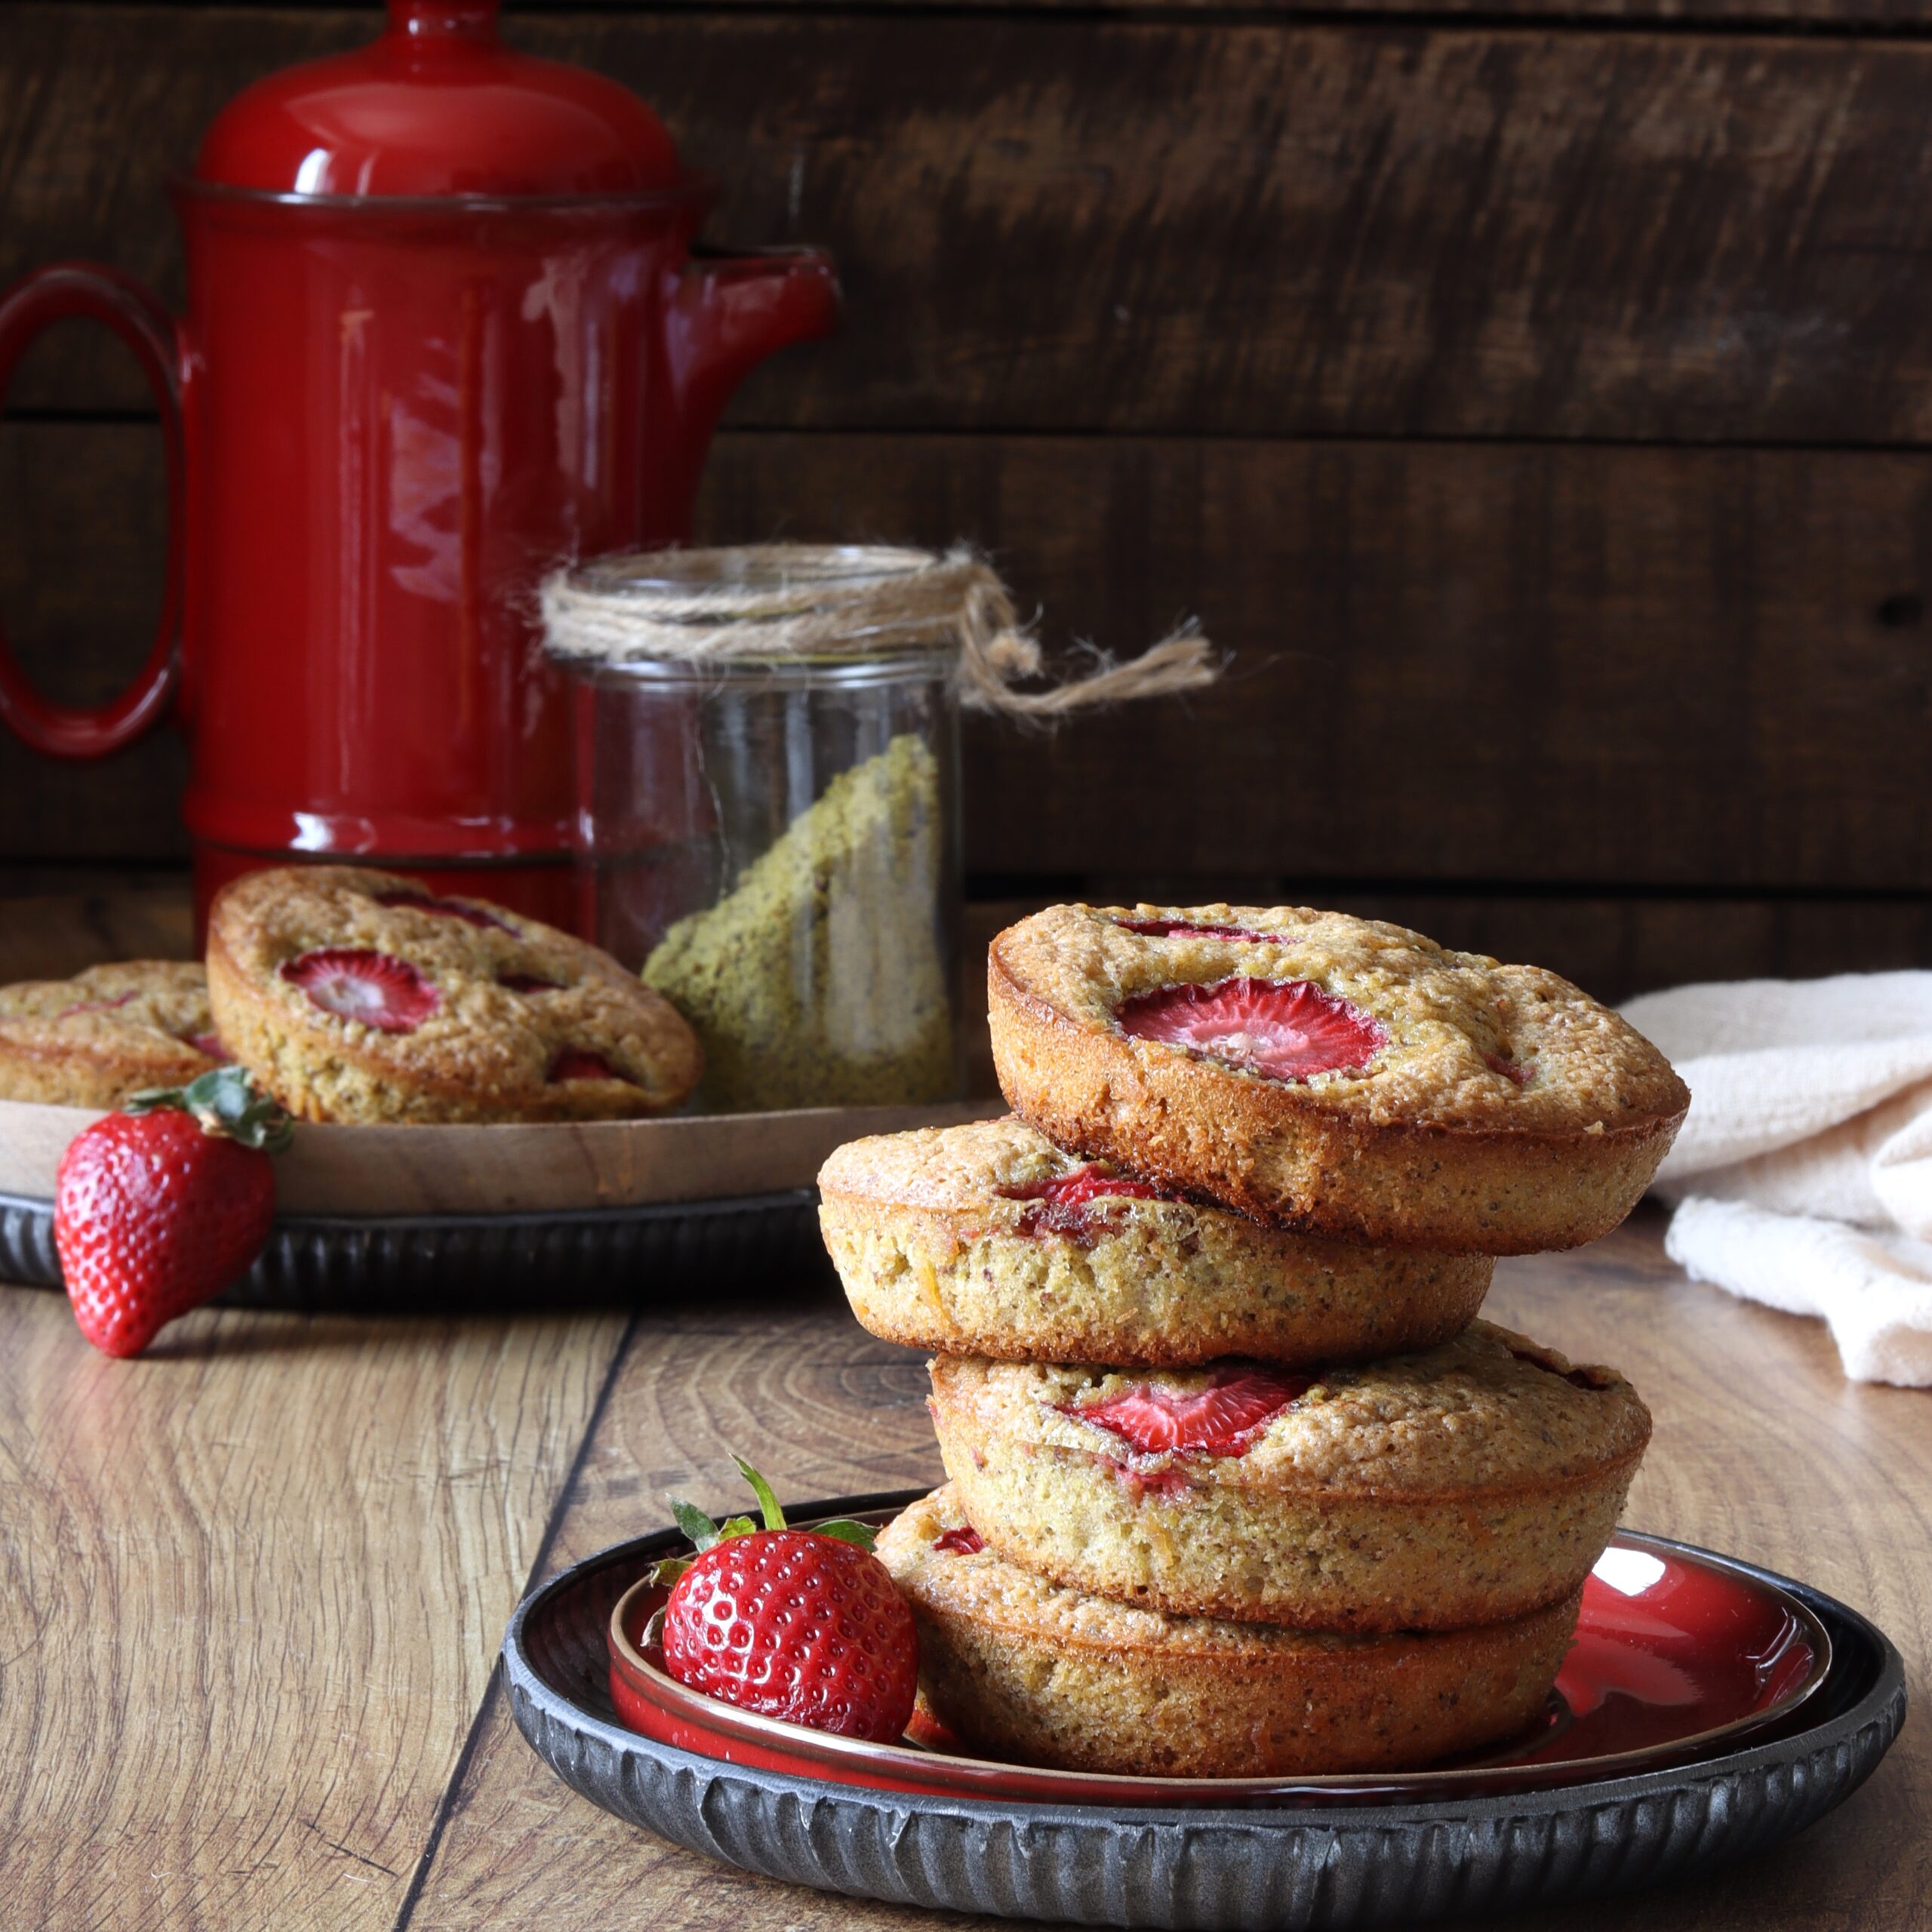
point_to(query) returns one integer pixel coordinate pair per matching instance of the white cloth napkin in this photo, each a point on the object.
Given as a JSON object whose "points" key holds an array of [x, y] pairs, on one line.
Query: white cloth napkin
{"points": [[1804, 1169]]}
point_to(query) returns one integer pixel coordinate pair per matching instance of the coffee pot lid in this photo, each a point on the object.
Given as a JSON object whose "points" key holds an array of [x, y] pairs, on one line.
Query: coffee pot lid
{"points": [[438, 106]]}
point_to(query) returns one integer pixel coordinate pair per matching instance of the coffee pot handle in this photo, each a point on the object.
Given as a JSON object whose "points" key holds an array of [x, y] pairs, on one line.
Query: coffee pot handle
{"points": [[53, 294]]}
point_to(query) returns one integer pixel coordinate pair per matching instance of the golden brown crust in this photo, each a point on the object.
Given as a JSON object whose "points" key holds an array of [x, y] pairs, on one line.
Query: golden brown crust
{"points": [[1505, 1113], [935, 1252], [487, 1052], [93, 1040], [1465, 1484], [1033, 1672]]}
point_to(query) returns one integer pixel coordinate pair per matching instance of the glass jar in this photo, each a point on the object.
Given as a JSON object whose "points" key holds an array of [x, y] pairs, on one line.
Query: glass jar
{"points": [[771, 836]]}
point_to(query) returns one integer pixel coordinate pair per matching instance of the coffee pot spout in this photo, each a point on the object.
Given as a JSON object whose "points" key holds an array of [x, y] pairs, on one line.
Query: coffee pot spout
{"points": [[723, 315]]}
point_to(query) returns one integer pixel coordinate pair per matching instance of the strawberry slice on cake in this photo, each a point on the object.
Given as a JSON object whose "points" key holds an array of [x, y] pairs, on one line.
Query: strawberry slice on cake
{"points": [[582, 1063], [1287, 1029], [1221, 1420], [357, 983]]}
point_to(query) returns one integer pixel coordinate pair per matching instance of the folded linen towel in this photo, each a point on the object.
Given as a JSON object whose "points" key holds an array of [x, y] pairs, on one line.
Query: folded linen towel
{"points": [[1810, 1120], [1874, 1289]]}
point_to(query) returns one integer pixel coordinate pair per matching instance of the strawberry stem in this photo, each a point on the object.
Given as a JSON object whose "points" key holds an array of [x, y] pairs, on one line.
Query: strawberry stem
{"points": [[229, 1105], [704, 1534], [768, 1503]]}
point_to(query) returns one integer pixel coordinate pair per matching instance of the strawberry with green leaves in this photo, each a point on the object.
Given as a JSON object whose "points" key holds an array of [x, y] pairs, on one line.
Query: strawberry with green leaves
{"points": [[160, 1207], [803, 1625]]}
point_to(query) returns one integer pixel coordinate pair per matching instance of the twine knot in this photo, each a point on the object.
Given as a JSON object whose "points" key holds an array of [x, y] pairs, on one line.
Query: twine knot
{"points": [[775, 601]]}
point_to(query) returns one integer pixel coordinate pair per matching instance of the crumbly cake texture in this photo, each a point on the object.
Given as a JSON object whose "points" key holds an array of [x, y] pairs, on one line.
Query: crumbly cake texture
{"points": [[987, 1239], [1446, 1100], [819, 980], [93, 1040], [356, 995], [1030, 1670], [1463, 1484]]}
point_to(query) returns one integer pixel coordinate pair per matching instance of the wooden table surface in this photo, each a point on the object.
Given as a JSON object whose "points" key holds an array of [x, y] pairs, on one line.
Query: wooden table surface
{"points": [[251, 1588]]}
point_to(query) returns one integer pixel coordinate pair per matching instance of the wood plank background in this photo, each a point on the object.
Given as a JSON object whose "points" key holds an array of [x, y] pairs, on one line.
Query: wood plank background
{"points": [[1537, 404]]}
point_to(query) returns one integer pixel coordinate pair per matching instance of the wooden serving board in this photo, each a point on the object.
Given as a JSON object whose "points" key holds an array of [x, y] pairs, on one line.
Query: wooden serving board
{"points": [[397, 1171]]}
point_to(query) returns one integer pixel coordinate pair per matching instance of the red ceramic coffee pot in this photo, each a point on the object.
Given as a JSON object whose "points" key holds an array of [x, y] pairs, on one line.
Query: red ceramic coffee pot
{"points": [[444, 330]]}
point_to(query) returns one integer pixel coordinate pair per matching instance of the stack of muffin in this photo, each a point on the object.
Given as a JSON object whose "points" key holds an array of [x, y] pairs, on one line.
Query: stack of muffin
{"points": [[1238, 1485]]}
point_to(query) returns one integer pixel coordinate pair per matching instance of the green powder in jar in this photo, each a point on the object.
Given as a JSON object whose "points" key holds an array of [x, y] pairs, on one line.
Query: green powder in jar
{"points": [[820, 979]]}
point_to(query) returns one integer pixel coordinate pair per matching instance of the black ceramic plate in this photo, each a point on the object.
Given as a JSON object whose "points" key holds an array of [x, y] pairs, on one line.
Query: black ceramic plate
{"points": [[394, 1264], [1308, 1865]]}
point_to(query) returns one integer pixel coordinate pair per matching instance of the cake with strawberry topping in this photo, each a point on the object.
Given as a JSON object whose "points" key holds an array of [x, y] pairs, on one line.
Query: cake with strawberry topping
{"points": [[1463, 1484], [356, 995], [109, 1032], [987, 1239], [1026, 1669], [1333, 1074]]}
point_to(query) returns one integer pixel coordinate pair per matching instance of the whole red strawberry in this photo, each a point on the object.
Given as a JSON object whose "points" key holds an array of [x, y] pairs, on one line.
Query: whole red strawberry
{"points": [[804, 1625], [158, 1208]]}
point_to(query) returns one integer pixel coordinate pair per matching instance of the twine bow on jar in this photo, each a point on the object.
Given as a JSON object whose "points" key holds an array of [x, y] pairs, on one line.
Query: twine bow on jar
{"points": [[794, 602]]}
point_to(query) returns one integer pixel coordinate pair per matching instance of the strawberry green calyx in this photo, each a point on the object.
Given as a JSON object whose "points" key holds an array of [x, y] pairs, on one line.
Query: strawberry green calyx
{"points": [[846, 1530], [229, 1105], [705, 1534], [768, 1503]]}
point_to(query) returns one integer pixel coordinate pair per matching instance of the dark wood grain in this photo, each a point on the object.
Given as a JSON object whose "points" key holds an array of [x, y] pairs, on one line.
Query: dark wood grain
{"points": [[1614, 669], [1761, 1448], [51, 935], [1898, 16], [1080, 224], [83, 535], [1451, 662]]}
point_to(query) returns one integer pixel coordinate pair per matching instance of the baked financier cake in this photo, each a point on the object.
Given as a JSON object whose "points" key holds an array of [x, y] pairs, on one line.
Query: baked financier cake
{"points": [[1023, 1668], [357, 995], [92, 1041], [1331, 1073], [986, 1240], [1470, 1482]]}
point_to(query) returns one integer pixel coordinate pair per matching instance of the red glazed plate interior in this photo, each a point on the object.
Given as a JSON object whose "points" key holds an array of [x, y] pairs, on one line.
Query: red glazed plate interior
{"points": [[1678, 1655]]}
